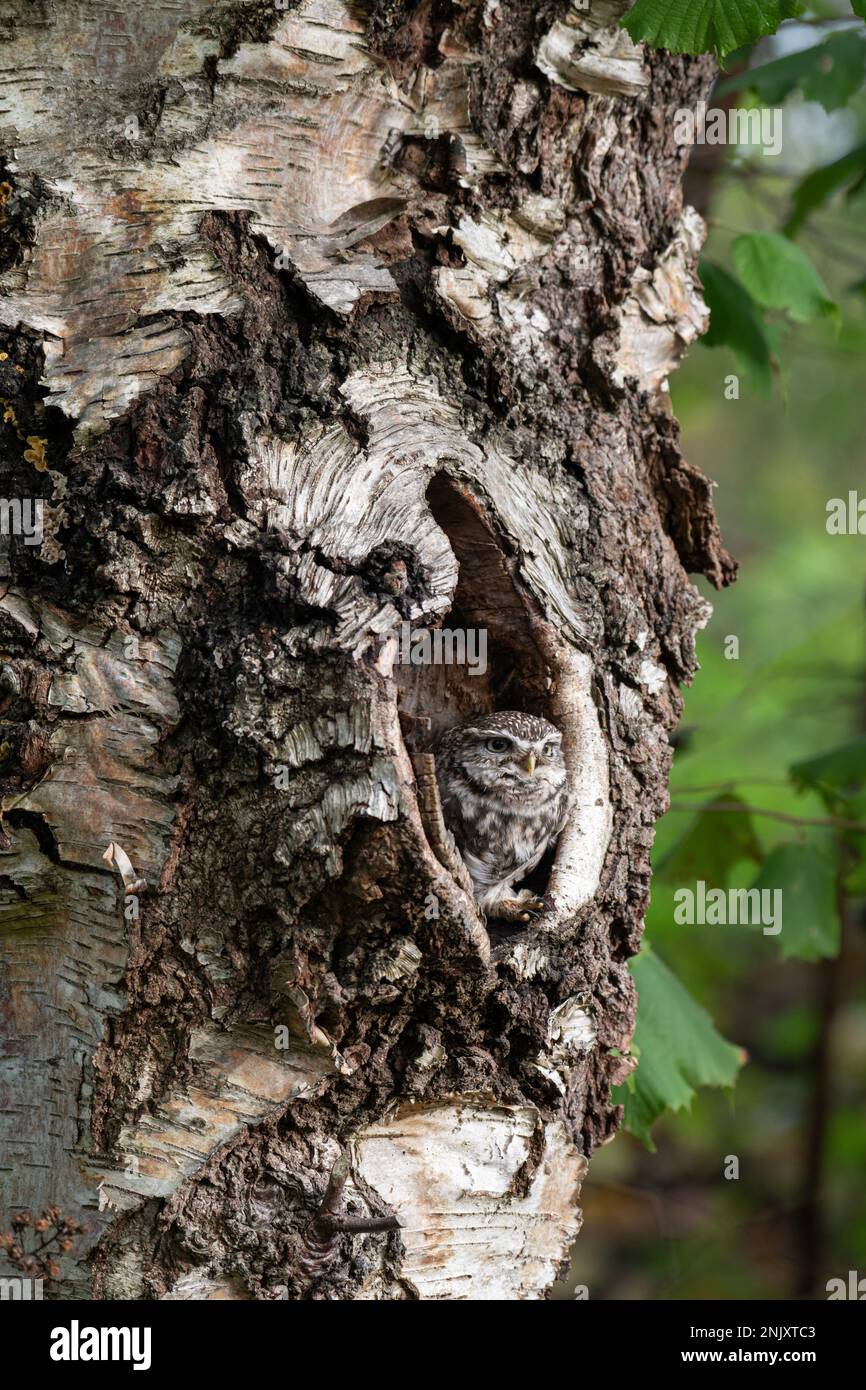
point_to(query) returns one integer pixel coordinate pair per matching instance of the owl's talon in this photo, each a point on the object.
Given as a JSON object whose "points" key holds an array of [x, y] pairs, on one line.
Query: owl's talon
{"points": [[517, 909]]}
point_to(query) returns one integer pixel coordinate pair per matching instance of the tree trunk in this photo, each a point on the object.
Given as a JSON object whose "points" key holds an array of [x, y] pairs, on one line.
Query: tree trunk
{"points": [[323, 324]]}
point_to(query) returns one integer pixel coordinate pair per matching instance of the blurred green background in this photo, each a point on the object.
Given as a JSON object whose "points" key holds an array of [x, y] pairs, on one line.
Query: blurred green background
{"points": [[669, 1224]]}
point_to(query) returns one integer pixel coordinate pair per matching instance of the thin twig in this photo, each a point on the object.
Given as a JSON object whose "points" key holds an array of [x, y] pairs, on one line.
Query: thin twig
{"points": [[833, 822], [737, 782], [322, 1237], [440, 838]]}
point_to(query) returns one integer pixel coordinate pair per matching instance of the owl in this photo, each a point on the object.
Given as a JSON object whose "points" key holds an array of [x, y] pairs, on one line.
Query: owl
{"points": [[504, 792]]}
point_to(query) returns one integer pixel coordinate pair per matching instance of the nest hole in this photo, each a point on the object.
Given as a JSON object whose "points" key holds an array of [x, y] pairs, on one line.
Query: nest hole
{"points": [[503, 667], [488, 608]]}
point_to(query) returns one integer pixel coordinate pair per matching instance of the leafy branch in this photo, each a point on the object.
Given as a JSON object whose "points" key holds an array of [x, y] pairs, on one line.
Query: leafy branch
{"points": [[675, 1041], [770, 274]]}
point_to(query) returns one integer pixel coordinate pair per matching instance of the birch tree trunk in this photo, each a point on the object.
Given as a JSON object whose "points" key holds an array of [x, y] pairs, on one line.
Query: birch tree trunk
{"points": [[320, 320]]}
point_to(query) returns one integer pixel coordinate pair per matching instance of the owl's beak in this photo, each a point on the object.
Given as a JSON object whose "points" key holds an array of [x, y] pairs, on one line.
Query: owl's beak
{"points": [[530, 763]]}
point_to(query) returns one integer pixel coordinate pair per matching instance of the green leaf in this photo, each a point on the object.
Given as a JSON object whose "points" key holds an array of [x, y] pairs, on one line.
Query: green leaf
{"points": [[704, 26], [859, 7], [779, 275], [736, 322], [806, 879], [714, 842], [840, 767], [677, 1046], [814, 190], [829, 72]]}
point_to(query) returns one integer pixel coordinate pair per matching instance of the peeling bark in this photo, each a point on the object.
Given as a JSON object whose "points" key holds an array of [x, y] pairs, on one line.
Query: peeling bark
{"points": [[329, 320]]}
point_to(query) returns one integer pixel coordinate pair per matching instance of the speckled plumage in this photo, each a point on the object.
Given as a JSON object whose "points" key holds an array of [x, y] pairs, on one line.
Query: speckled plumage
{"points": [[502, 815]]}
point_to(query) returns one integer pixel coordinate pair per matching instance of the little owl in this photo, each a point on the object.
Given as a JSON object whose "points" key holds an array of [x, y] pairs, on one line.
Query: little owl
{"points": [[503, 787]]}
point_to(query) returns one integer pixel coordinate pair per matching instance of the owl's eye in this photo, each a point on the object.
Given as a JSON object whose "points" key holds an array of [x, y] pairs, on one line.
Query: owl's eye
{"points": [[497, 745], [551, 750]]}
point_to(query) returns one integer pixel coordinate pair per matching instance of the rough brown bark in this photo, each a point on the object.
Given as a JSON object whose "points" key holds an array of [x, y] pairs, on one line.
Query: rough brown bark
{"points": [[330, 318]]}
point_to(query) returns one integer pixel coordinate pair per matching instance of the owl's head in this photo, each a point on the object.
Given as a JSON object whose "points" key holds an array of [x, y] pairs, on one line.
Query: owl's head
{"points": [[512, 754]]}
